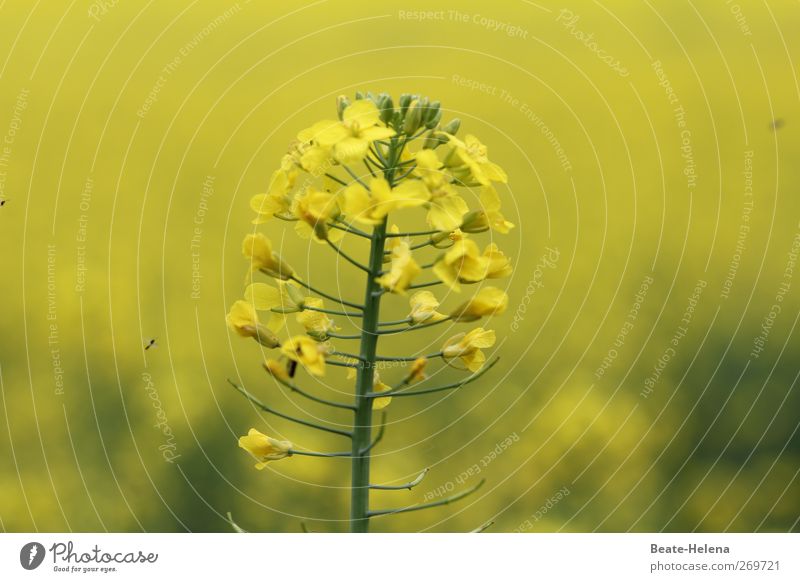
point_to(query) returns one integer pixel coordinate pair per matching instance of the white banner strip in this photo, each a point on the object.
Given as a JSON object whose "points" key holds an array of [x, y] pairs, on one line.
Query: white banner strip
{"points": [[401, 557]]}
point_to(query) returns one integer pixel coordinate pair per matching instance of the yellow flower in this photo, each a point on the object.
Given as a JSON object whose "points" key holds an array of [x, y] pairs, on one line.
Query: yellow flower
{"points": [[461, 263], [468, 347], [306, 351], [498, 264], [287, 297], [490, 201], [243, 319], [488, 301], [391, 242], [472, 154], [350, 138], [423, 308], [417, 372], [489, 216], [276, 200], [258, 249], [316, 323], [263, 448], [315, 208], [378, 386], [310, 156], [277, 370], [446, 208], [402, 270], [371, 206]]}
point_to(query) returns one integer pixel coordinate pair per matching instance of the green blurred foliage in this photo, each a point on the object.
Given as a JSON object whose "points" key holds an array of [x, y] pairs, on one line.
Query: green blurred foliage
{"points": [[713, 447]]}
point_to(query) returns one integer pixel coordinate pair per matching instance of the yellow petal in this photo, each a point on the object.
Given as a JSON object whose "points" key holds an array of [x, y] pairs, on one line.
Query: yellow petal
{"points": [[263, 297], [350, 150], [363, 112]]}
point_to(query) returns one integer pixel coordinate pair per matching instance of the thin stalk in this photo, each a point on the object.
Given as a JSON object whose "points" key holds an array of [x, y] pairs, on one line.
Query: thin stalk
{"points": [[325, 295], [271, 410], [340, 364], [335, 179], [395, 322], [348, 228], [484, 527], [347, 257], [330, 311], [378, 437], [407, 358], [407, 173], [355, 176], [426, 284], [410, 485], [335, 335], [400, 392], [303, 393], [411, 327], [348, 356], [445, 501], [376, 150], [419, 233], [315, 454]]}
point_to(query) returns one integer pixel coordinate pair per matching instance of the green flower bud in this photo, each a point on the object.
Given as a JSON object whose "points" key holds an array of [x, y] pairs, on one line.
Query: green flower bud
{"points": [[359, 95], [475, 221], [404, 102], [265, 337], [342, 102], [413, 118], [386, 107], [424, 103], [452, 126], [433, 107], [433, 120], [295, 294], [431, 142]]}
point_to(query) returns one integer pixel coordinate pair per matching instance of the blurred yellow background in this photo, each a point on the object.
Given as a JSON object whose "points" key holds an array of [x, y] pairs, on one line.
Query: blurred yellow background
{"points": [[652, 153]]}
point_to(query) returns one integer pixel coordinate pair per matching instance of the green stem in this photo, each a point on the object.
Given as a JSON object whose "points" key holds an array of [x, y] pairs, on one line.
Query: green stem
{"points": [[362, 427], [359, 501]]}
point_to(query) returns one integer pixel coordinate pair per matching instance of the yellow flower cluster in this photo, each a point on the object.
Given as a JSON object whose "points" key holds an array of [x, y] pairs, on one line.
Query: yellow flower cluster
{"points": [[319, 189]]}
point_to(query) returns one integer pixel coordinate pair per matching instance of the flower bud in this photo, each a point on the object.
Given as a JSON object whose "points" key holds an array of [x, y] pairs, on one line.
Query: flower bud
{"points": [[431, 142], [413, 118], [475, 221], [386, 107], [266, 337], [404, 102], [295, 294], [277, 370], [452, 126], [424, 103], [434, 115], [263, 448], [342, 103], [359, 95], [417, 371], [488, 301]]}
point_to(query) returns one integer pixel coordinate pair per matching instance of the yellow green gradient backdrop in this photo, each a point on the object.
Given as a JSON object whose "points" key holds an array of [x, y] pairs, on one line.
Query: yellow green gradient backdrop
{"points": [[652, 151]]}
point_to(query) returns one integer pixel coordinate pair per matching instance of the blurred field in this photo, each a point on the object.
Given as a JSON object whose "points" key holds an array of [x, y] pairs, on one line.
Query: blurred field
{"points": [[128, 126]]}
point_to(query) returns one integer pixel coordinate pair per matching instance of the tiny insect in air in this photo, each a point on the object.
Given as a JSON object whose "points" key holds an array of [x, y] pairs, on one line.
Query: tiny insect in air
{"points": [[3, 202], [777, 124], [151, 344]]}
